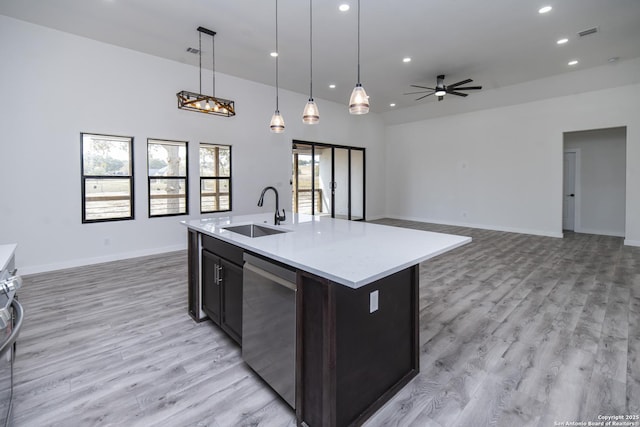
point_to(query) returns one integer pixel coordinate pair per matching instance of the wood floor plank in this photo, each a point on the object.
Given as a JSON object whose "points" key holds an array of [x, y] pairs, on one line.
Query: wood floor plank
{"points": [[569, 393]]}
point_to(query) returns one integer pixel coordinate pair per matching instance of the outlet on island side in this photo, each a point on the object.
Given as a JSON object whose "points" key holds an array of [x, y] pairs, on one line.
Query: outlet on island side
{"points": [[373, 301]]}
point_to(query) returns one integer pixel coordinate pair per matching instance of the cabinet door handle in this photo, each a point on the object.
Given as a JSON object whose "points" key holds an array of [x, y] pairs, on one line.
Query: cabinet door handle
{"points": [[218, 274]]}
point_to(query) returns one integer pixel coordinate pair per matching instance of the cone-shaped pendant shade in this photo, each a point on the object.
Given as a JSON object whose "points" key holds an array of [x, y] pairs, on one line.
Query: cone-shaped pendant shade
{"points": [[359, 101], [277, 123], [311, 115]]}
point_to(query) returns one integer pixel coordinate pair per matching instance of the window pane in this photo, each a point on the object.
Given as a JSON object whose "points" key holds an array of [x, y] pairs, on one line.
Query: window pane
{"points": [[167, 158], [215, 160], [215, 195], [107, 198], [107, 177], [303, 177], [106, 155], [168, 196], [215, 178]]}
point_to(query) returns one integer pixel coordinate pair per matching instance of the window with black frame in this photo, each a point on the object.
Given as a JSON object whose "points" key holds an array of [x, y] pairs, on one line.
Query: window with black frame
{"points": [[107, 177], [168, 183], [215, 178]]}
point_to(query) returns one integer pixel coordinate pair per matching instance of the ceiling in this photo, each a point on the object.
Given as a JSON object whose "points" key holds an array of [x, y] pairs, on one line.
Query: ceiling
{"points": [[496, 43]]}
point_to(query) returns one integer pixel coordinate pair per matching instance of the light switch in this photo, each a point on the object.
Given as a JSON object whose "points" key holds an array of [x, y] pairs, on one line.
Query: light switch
{"points": [[373, 301]]}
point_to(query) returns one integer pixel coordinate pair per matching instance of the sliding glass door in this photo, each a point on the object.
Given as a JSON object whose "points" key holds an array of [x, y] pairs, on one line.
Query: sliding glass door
{"points": [[328, 180]]}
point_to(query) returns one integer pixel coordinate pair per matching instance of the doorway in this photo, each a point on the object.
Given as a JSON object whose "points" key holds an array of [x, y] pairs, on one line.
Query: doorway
{"points": [[328, 180], [594, 181]]}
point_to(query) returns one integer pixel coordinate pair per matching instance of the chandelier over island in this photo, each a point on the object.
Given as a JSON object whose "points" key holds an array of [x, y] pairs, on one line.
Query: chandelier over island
{"points": [[208, 104]]}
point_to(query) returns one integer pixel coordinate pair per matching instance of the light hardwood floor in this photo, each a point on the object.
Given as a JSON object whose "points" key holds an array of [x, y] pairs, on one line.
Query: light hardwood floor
{"points": [[516, 330]]}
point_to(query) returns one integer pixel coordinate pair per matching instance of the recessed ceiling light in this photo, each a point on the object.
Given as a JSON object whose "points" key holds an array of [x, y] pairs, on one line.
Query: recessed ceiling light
{"points": [[332, 86], [613, 59], [344, 7], [574, 62], [406, 59], [392, 105], [545, 9], [562, 41], [274, 54]]}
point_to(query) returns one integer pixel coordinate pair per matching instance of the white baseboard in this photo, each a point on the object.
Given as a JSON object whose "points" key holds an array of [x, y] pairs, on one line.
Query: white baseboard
{"points": [[481, 226], [97, 260], [375, 217], [629, 242], [599, 232]]}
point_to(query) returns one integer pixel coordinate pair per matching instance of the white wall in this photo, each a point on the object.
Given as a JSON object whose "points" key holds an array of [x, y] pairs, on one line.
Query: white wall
{"points": [[602, 180], [501, 168], [56, 85]]}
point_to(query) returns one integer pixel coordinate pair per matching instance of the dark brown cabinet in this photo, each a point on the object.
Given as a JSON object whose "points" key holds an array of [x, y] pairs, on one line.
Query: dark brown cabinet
{"points": [[211, 291], [222, 285], [231, 299]]}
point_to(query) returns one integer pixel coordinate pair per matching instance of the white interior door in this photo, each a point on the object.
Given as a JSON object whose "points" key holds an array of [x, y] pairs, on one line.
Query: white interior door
{"points": [[569, 204]]}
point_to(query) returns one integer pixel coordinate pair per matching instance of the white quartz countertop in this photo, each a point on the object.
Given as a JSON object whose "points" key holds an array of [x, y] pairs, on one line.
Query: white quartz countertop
{"points": [[6, 252], [352, 253]]}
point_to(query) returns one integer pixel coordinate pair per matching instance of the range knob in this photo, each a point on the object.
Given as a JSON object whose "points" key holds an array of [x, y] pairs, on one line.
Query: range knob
{"points": [[11, 284]]}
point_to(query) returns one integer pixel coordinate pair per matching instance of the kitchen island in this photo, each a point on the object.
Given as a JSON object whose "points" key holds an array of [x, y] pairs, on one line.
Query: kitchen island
{"points": [[355, 316]]}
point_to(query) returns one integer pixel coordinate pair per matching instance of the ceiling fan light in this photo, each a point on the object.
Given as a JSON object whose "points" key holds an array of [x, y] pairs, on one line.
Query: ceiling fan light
{"points": [[359, 101], [440, 92], [277, 122], [311, 115]]}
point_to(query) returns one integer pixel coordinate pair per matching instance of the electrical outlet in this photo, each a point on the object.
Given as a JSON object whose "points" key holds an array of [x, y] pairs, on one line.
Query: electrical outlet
{"points": [[373, 301]]}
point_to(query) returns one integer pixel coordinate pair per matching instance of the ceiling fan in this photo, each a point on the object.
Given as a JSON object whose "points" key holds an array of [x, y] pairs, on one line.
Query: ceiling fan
{"points": [[441, 89]]}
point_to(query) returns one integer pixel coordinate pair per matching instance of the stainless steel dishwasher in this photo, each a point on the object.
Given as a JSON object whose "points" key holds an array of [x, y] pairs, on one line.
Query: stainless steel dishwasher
{"points": [[269, 323]]}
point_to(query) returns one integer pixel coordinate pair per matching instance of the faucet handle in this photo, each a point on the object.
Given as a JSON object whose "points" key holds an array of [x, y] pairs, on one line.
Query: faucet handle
{"points": [[277, 218]]}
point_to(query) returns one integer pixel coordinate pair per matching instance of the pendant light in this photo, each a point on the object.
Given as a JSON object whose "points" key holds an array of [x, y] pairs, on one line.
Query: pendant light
{"points": [[311, 115], [277, 122], [359, 101], [208, 104]]}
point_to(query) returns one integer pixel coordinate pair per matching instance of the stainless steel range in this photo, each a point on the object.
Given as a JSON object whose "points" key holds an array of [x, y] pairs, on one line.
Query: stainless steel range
{"points": [[11, 315]]}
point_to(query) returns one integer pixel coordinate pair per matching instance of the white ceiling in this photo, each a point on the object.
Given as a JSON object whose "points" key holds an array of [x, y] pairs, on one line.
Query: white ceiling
{"points": [[496, 43]]}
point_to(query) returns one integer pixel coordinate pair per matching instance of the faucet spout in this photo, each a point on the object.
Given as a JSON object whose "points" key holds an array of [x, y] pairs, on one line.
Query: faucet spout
{"points": [[277, 217]]}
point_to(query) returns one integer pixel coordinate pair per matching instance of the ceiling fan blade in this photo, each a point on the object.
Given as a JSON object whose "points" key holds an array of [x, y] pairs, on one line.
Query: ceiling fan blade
{"points": [[458, 93], [422, 87], [418, 99], [460, 83], [468, 88], [413, 93]]}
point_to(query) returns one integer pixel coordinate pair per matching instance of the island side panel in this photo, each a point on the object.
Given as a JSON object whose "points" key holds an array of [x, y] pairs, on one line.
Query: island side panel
{"points": [[315, 351], [377, 349], [351, 361], [193, 279]]}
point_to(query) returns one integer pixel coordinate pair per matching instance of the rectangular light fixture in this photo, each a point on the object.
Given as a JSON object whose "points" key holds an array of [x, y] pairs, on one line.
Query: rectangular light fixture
{"points": [[205, 104], [208, 104]]}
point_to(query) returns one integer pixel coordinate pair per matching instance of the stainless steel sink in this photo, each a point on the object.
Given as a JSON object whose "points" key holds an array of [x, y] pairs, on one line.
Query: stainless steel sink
{"points": [[253, 230]]}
